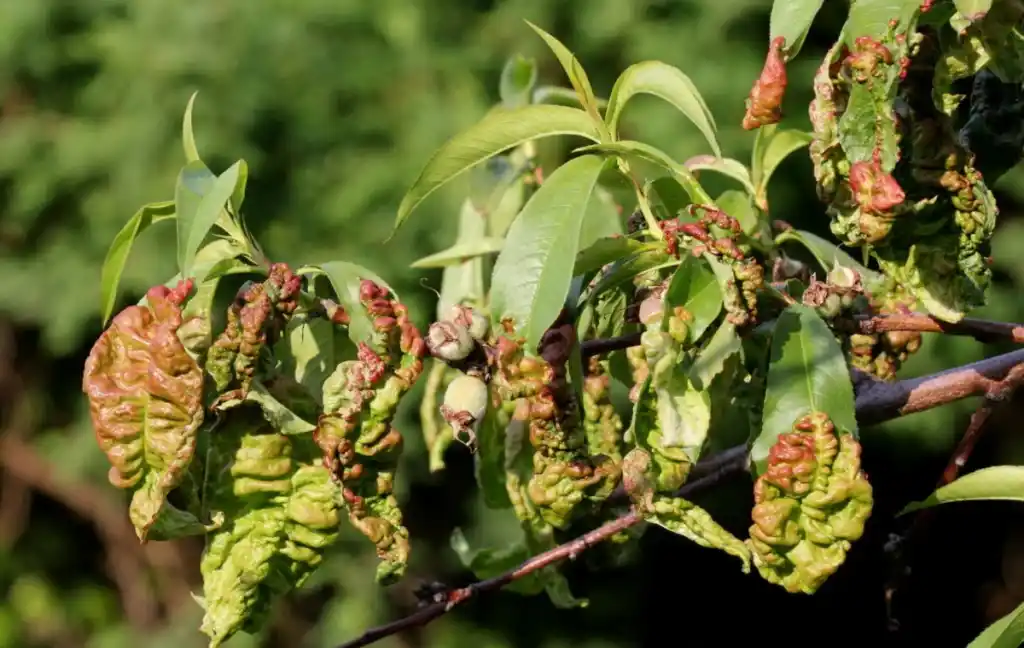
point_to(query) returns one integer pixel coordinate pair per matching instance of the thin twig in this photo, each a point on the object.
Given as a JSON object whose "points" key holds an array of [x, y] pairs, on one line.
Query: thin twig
{"points": [[982, 330], [876, 402], [590, 348]]}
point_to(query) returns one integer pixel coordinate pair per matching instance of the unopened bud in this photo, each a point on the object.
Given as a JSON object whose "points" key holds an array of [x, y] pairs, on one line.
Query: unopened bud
{"points": [[449, 341]]}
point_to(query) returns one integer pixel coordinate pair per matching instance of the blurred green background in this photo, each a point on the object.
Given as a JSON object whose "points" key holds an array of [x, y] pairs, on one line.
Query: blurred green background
{"points": [[335, 105]]}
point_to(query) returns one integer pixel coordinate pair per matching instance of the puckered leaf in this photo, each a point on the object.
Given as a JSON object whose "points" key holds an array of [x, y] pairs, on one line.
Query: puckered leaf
{"points": [[281, 511], [810, 504], [145, 398]]}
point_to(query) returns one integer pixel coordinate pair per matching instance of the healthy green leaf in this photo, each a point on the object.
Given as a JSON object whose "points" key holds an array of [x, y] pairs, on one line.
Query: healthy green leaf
{"points": [[188, 138], [345, 278], [460, 253], [560, 96], [993, 483], [533, 272], [464, 282], [650, 258], [646, 152], [517, 80], [308, 353], [771, 147], [121, 247], [193, 227], [807, 374], [499, 130], [791, 19], [695, 288], [1007, 632], [577, 75], [973, 10], [666, 82], [827, 253], [726, 166], [604, 251], [602, 219]]}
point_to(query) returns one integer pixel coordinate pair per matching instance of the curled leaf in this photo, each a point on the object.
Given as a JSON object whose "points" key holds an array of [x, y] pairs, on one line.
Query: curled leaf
{"points": [[764, 104], [145, 398], [811, 504]]}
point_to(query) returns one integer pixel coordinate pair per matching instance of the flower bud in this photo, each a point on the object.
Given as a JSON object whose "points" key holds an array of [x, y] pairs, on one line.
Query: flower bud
{"points": [[465, 403], [449, 341]]}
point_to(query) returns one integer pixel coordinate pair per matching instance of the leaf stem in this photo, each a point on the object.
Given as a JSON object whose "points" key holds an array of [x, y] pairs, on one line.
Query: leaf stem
{"points": [[876, 402]]}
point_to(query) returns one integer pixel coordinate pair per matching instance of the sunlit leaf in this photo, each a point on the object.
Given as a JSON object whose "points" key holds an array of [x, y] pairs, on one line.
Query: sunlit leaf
{"points": [[695, 288], [827, 253], [574, 70], [771, 147], [188, 139], [345, 278], [993, 483], [498, 131], [460, 252], [791, 19], [121, 247], [1006, 632], [532, 274], [517, 80], [604, 251], [659, 158], [193, 227], [666, 82], [973, 10], [726, 166]]}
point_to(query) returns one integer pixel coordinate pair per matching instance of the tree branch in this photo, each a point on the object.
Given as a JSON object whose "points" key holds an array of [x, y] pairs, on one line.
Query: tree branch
{"points": [[590, 348], [981, 330], [876, 402]]}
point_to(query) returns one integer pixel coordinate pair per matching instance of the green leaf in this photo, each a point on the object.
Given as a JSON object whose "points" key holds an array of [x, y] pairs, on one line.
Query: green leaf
{"points": [[771, 147], [711, 359], [188, 139], [464, 282], [1006, 632], [193, 227], [695, 288], [602, 219], [666, 82], [517, 80], [726, 166], [650, 258], [499, 130], [791, 19], [345, 278], [308, 353], [121, 247], [828, 254], [740, 206], [604, 251], [973, 10], [648, 153], [577, 75], [533, 272], [490, 562], [993, 483], [807, 374], [559, 96], [280, 417], [489, 460], [460, 253], [871, 17]]}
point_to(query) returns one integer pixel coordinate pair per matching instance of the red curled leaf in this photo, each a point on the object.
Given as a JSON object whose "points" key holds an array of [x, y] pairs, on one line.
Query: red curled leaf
{"points": [[764, 104], [874, 190], [145, 399]]}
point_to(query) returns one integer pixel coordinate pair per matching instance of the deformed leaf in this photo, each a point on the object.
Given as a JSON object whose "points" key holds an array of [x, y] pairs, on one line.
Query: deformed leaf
{"points": [[145, 398], [972, 10], [827, 253], [807, 374], [345, 278], [993, 483], [121, 247], [1006, 632], [666, 82], [872, 17], [460, 252], [533, 272], [499, 130], [791, 19]]}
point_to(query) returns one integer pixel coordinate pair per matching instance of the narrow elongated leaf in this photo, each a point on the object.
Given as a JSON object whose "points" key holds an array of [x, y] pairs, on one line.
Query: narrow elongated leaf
{"points": [[465, 281], [604, 251], [574, 70], [807, 374], [517, 80], [193, 228], [121, 247], [695, 288], [726, 166], [791, 19], [771, 147], [559, 96], [500, 130], [827, 253], [994, 483], [669, 83], [648, 153], [533, 272], [345, 278], [188, 138], [461, 252], [1007, 632]]}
